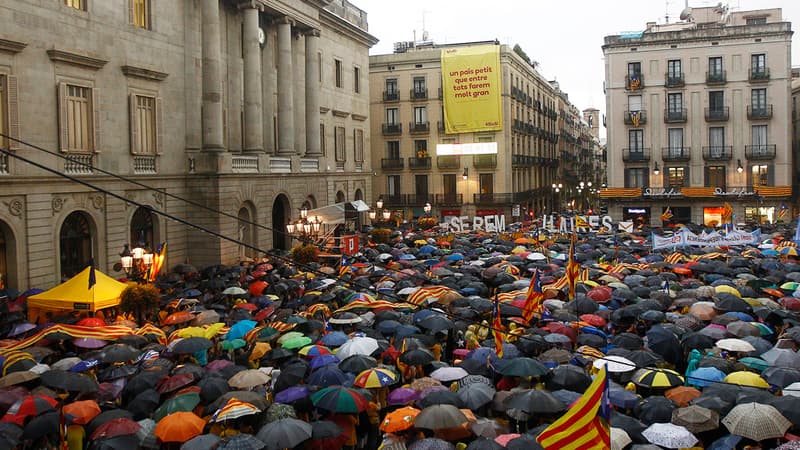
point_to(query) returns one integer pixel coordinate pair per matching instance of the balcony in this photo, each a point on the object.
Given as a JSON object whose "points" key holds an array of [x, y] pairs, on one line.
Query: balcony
{"points": [[448, 162], [758, 75], [636, 154], [634, 83], [719, 114], [418, 199], [675, 115], [716, 78], [392, 164], [759, 112], [484, 161], [392, 129], [391, 96], [419, 127], [522, 161], [718, 153], [415, 163], [635, 118], [419, 94], [79, 164], [146, 165], [759, 152], [676, 154], [493, 198], [393, 200], [449, 199], [674, 80]]}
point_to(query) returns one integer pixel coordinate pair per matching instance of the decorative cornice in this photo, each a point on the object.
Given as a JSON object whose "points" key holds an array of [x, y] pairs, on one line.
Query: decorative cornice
{"points": [[338, 113], [76, 59], [10, 46], [146, 74], [359, 117], [324, 109]]}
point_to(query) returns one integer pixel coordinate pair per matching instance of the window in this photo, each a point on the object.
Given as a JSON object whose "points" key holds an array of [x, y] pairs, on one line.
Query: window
{"points": [[634, 103], [759, 175], [393, 185], [421, 148], [715, 66], [449, 185], [637, 177], [715, 176], [77, 4], [758, 100], [755, 20], [3, 113], [674, 103], [356, 80], [674, 72], [676, 176], [391, 86], [486, 183], [716, 142], [636, 141], [140, 13], [675, 138], [421, 185], [420, 115], [716, 101], [358, 145], [759, 140], [339, 144], [392, 116], [634, 69], [393, 150], [419, 87], [77, 127], [322, 138], [758, 64], [145, 124], [338, 69]]}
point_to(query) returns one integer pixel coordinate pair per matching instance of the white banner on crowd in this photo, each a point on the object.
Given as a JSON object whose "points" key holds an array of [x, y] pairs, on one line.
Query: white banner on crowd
{"points": [[687, 238]]}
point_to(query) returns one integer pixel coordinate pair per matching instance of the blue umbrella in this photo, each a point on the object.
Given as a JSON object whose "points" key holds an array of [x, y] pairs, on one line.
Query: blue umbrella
{"points": [[420, 315], [192, 293], [425, 249], [239, 329], [388, 326], [483, 354], [407, 257], [329, 376], [740, 315], [431, 262], [323, 360], [622, 398], [454, 257], [291, 394], [568, 397], [726, 442], [404, 331], [84, 365], [705, 376], [770, 252], [334, 339], [32, 291]]}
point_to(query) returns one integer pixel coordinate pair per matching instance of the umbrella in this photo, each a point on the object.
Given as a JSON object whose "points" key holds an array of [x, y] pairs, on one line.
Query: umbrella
{"points": [[117, 353], [69, 381], [328, 376], [571, 378], [179, 427], [476, 395], [201, 442], [248, 379], [375, 378], [682, 395], [83, 411], [357, 363], [234, 290], [234, 409], [15, 378], [447, 374], [31, 405], [191, 345], [705, 376], [619, 438], [735, 345], [756, 421], [116, 427], [417, 357], [42, 425], [175, 382], [440, 396], [695, 418], [181, 402], [536, 402], [483, 443], [284, 433], [357, 346], [178, 318], [669, 435], [241, 441], [402, 396], [431, 444], [291, 394], [522, 367], [744, 378], [339, 399], [399, 420], [437, 417], [89, 343], [657, 378]]}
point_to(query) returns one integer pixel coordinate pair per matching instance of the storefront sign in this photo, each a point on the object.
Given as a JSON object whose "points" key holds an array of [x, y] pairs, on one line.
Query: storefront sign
{"points": [[686, 237], [734, 192], [349, 245], [661, 192], [495, 223]]}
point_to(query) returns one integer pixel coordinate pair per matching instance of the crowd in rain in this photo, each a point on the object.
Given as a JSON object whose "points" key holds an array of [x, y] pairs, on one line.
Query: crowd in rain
{"points": [[467, 341]]}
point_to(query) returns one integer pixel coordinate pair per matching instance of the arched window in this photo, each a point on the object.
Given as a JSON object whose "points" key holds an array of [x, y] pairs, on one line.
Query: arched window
{"points": [[247, 233], [142, 233], [76, 244]]}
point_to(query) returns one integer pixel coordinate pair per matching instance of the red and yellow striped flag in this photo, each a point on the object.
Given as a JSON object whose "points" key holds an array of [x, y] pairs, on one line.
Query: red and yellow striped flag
{"points": [[534, 298], [573, 268], [497, 326]]}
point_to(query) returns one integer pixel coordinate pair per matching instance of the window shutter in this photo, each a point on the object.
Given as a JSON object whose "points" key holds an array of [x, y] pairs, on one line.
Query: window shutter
{"points": [[665, 176], [686, 177], [706, 175], [13, 112], [131, 12], [771, 175], [96, 124], [749, 174], [159, 125], [646, 178], [134, 124], [63, 125]]}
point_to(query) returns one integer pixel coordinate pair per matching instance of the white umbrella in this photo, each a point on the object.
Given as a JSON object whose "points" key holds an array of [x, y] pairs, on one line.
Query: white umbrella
{"points": [[669, 435], [735, 345], [536, 256], [234, 290], [449, 373], [357, 346], [619, 438], [615, 364], [792, 389]]}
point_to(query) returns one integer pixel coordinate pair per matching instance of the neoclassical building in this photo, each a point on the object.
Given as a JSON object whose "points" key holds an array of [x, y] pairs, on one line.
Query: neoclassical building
{"points": [[253, 108]]}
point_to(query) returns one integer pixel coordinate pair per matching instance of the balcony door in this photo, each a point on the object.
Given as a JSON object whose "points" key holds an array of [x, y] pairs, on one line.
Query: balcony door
{"points": [[636, 144], [421, 188], [393, 185], [759, 140], [392, 116], [716, 142], [449, 185], [675, 137]]}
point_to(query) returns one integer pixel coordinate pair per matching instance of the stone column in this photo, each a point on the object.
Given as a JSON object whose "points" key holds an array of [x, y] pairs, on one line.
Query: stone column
{"points": [[212, 80], [285, 97], [253, 112], [313, 148]]}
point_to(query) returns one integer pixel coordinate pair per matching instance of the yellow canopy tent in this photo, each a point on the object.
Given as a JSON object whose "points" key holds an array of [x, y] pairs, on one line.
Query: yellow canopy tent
{"points": [[75, 295]]}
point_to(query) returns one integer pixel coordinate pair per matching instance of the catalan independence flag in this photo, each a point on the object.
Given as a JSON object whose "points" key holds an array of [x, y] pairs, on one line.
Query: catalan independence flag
{"points": [[158, 260], [345, 267], [667, 215], [497, 329], [534, 298], [573, 268], [586, 425], [782, 211]]}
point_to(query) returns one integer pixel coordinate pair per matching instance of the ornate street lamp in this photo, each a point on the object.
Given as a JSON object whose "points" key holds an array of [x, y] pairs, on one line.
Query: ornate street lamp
{"points": [[137, 262]]}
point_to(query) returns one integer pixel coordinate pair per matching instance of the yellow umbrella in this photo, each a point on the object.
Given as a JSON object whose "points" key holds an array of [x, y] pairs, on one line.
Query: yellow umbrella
{"points": [[213, 329], [727, 289], [744, 378], [590, 283], [192, 332], [259, 349]]}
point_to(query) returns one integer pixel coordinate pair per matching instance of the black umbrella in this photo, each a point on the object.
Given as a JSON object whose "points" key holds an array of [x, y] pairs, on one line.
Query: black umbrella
{"points": [[134, 340], [522, 367], [475, 367], [781, 376], [628, 340], [536, 402], [116, 371], [436, 323], [68, 381], [714, 403], [10, 434], [191, 345], [107, 416], [631, 425], [123, 442], [665, 343], [483, 443], [43, 425], [730, 303], [417, 357], [789, 406], [697, 341], [644, 358], [524, 442], [117, 353], [143, 381], [655, 409], [212, 387], [571, 378], [357, 363], [144, 404]]}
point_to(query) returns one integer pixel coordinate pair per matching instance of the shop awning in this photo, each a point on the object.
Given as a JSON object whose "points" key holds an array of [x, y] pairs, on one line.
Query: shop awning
{"points": [[339, 212]]}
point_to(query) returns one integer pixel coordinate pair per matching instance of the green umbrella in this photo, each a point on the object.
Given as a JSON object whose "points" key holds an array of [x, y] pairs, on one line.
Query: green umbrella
{"points": [[183, 402], [790, 285], [339, 399], [233, 344], [754, 363], [296, 342], [289, 335]]}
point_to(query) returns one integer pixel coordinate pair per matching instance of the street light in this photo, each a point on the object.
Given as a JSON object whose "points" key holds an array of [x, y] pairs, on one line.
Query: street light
{"points": [[137, 262], [379, 213], [427, 208], [307, 228]]}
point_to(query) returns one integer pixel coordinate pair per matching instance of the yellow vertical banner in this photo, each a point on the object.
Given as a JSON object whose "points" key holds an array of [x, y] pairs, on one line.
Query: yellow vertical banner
{"points": [[471, 89]]}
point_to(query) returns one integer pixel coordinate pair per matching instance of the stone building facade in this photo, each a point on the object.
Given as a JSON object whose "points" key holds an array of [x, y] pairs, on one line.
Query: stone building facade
{"points": [[253, 108]]}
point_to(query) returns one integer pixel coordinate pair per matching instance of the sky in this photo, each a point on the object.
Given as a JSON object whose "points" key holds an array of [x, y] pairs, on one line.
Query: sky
{"points": [[563, 36]]}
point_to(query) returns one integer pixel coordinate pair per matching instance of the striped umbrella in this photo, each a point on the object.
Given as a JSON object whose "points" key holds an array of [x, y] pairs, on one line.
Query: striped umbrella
{"points": [[375, 378], [312, 351], [233, 410], [339, 399], [657, 378]]}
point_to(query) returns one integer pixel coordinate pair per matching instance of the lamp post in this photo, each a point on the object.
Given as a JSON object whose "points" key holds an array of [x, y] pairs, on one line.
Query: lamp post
{"points": [[306, 229], [427, 208], [557, 187], [379, 215], [137, 262]]}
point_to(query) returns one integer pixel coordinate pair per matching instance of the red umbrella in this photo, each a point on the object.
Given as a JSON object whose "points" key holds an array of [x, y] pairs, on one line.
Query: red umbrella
{"points": [[264, 313], [92, 322], [178, 317], [31, 405], [169, 384], [594, 320], [792, 303], [600, 294], [257, 287], [247, 306], [116, 427], [560, 328]]}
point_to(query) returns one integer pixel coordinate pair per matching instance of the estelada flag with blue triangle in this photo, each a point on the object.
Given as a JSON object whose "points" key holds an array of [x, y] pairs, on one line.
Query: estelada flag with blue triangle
{"points": [[573, 267], [783, 211], [158, 260], [534, 298], [345, 267], [497, 328]]}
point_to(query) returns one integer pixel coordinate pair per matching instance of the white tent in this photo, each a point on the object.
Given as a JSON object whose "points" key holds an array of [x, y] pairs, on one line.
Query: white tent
{"points": [[338, 212]]}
